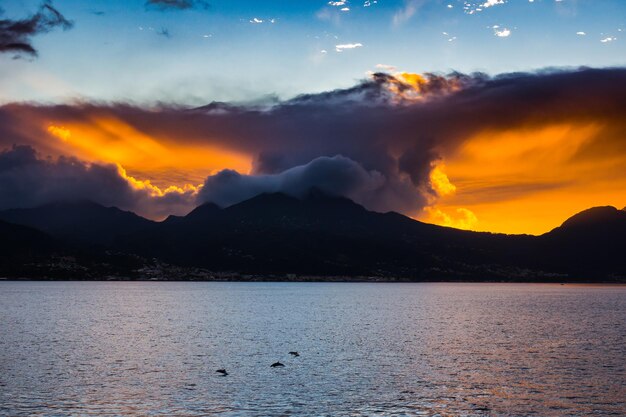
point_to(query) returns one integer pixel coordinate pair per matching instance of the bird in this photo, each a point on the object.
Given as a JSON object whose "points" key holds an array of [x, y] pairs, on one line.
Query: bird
{"points": [[276, 365], [294, 354], [222, 371]]}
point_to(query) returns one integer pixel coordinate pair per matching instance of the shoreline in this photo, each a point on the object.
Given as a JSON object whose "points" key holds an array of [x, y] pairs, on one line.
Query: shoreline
{"points": [[313, 279]]}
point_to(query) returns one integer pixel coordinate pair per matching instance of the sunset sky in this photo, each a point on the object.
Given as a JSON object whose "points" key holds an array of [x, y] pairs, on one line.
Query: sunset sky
{"points": [[492, 115]]}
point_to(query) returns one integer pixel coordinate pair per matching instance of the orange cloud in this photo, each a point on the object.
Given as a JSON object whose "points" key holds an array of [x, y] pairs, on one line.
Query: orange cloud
{"points": [[168, 162], [153, 190], [522, 151], [461, 218], [411, 87], [439, 181], [527, 180], [60, 132]]}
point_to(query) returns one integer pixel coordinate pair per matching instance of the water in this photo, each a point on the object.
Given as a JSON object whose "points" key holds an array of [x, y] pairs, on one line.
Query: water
{"points": [[149, 348]]}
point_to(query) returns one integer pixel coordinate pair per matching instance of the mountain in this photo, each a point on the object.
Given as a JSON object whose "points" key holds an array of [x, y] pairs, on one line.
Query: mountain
{"points": [[606, 220], [320, 235], [29, 253], [277, 235], [23, 248], [200, 215], [592, 242], [24, 241], [78, 221]]}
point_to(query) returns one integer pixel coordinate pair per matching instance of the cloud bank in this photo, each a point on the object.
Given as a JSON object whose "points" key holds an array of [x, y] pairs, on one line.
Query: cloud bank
{"points": [[28, 180], [336, 175], [378, 142]]}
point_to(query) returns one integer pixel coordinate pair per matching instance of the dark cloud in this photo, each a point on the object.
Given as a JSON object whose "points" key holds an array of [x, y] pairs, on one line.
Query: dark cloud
{"points": [[336, 175], [164, 5], [28, 180], [376, 142], [15, 35]]}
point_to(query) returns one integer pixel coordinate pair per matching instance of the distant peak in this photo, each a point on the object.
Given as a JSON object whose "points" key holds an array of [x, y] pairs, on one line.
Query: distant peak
{"points": [[209, 206], [85, 206], [593, 215], [315, 194], [204, 209], [172, 218]]}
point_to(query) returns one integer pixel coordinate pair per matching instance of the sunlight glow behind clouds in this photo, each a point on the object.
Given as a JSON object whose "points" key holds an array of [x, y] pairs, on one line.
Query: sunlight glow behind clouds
{"points": [[248, 58], [523, 146]]}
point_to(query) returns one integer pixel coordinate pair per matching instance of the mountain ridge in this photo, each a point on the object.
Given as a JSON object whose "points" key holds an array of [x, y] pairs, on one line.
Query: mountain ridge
{"points": [[81, 221], [321, 235]]}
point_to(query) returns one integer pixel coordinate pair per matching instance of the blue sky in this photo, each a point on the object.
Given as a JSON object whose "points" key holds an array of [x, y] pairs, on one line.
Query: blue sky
{"points": [[122, 51]]}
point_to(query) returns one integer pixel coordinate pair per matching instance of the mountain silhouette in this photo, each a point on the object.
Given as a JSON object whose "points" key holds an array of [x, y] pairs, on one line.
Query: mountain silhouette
{"points": [[23, 240], [22, 246], [592, 242], [606, 220], [78, 221], [322, 235], [200, 214]]}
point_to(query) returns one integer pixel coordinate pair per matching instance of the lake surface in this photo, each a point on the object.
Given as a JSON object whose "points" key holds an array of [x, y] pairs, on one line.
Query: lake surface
{"points": [[152, 348]]}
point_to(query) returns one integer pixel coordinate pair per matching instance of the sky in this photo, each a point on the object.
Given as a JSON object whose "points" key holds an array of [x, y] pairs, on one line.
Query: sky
{"points": [[491, 115], [216, 51]]}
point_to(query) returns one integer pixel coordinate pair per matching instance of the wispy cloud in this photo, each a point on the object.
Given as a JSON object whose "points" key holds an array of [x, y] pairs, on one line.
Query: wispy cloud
{"points": [[164, 5], [386, 67], [258, 21], [15, 35], [406, 12], [500, 31], [164, 32], [477, 6], [490, 3], [342, 47]]}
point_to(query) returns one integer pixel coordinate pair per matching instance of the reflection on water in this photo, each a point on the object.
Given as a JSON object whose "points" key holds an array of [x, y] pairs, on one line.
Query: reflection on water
{"points": [[365, 349]]}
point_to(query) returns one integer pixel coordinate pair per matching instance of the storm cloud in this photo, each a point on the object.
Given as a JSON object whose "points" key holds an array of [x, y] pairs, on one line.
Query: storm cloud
{"points": [[29, 180], [376, 143], [336, 175], [15, 35]]}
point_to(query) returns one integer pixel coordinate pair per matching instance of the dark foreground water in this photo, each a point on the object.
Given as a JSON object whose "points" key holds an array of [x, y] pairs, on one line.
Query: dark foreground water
{"points": [[120, 348]]}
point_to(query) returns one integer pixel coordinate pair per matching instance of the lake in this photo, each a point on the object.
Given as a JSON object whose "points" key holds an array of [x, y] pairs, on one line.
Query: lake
{"points": [[366, 349]]}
